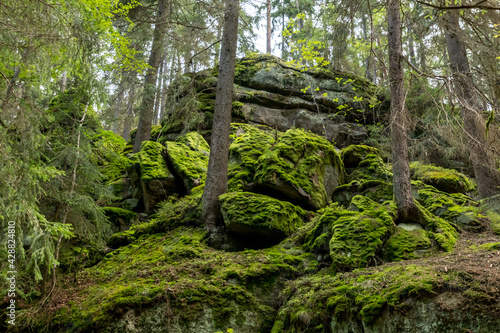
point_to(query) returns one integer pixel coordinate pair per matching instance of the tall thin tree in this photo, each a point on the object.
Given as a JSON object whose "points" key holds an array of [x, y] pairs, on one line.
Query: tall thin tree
{"points": [[487, 177], [148, 98], [216, 182], [405, 203]]}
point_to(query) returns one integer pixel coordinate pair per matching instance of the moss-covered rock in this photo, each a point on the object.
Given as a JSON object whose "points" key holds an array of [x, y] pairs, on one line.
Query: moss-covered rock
{"points": [[270, 92], [364, 163], [443, 232], [175, 275], [295, 166], [107, 153], [301, 167], [352, 237], [150, 175], [490, 207], [406, 244], [248, 143], [446, 180], [457, 208], [188, 159], [419, 297], [121, 219], [264, 219], [377, 190], [357, 237], [121, 188]]}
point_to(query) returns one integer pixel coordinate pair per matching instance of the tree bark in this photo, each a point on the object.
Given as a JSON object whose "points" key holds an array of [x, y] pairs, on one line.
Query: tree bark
{"points": [[487, 177], [268, 32], [148, 98], [406, 208], [158, 94], [128, 117], [216, 183], [368, 72]]}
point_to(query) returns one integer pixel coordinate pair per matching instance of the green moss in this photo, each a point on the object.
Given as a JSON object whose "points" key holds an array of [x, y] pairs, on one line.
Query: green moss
{"points": [[108, 154], [150, 161], [236, 110], [490, 246], [299, 160], [490, 207], [248, 144], [354, 154], [456, 208], [446, 180], [361, 295], [364, 163], [156, 131], [404, 244], [177, 266], [195, 141], [442, 232], [357, 237], [171, 214], [119, 216], [189, 163], [377, 190], [249, 213]]}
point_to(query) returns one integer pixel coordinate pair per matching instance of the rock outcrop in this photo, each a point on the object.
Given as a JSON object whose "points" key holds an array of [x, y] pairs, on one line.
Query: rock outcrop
{"points": [[271, 92]]}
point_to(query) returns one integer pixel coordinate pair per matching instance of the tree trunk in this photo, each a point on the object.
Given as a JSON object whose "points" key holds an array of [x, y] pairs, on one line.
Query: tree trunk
{"points": [[268, 32], [406, 207], [158, 94], [487, 177], [128, 117], [148, 98], [116, 113], [368, 72], [217, 46], [216, 183]]}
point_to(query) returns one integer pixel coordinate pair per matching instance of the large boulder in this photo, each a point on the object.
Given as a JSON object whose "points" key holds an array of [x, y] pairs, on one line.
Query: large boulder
{"points": [[188, 159], [150, 175], [268, 91], [260, 218], [446, 180], [296, 166]]}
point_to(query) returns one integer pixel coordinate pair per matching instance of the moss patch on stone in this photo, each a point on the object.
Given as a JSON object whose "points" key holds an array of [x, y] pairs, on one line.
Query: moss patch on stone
{"points": [[364, 163], [171, 214], [178, 269], [442, 232], [302, 166], [405, 244], [150, 161], [195, 141], [108, 154], [189, 161], [255, 215], [248, 144], [325, 300], [350, 238], [446, 180], [357, 237], [456, 208]]}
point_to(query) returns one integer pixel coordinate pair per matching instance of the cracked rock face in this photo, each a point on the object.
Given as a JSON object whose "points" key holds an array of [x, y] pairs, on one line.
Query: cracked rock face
{"points": [[271, 92]]}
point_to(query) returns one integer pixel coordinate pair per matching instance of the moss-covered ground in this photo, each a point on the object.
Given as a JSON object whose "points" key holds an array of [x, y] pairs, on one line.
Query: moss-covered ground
{"points": [[177, 267]]}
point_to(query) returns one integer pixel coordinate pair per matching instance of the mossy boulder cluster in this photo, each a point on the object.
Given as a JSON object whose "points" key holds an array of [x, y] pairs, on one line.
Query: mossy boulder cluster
{"points": [[311, 239]]}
